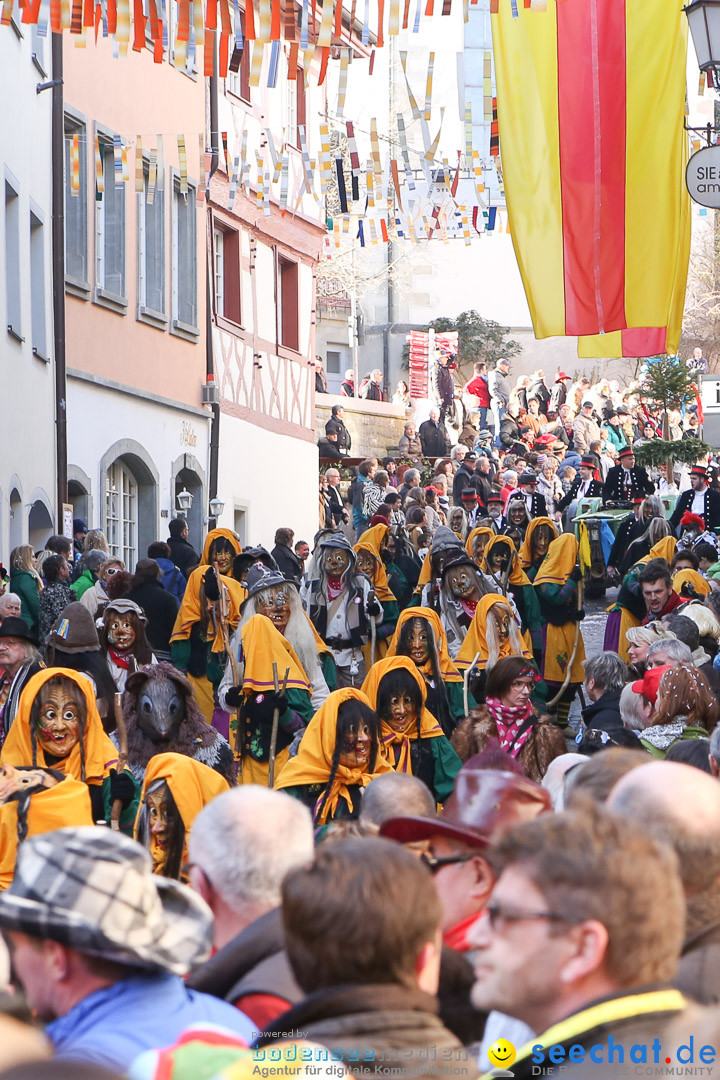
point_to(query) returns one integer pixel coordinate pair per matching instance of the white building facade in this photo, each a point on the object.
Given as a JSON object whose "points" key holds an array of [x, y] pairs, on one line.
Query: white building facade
{"points": [[28, 510]]}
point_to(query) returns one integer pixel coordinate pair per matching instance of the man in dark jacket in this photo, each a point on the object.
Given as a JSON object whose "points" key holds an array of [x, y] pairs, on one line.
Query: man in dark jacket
{"points": [[700, 499], [509, 429], [369, 969], [556, 949], [239, 875], [680, 806], [463, 478], [182, 553], [432, 436], [443, 386], [605, 678], [558, 394], [624, 482], [336, 426], [287, 561]]}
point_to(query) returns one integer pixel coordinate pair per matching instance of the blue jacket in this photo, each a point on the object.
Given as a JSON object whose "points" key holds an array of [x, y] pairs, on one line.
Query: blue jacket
{"points": [[172, 578], [113, 1026]]}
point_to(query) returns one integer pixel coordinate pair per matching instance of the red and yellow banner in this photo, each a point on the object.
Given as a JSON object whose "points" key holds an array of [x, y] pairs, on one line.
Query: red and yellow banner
{"points": [[591, 100]]}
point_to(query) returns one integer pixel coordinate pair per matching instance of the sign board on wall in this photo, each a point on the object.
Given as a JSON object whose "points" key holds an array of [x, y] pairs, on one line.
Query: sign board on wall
{"points": [[702, 176], [68, 512]]}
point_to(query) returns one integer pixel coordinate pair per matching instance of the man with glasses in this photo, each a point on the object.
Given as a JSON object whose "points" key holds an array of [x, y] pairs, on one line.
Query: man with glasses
{"points": [[483, 805], [559, 947]]}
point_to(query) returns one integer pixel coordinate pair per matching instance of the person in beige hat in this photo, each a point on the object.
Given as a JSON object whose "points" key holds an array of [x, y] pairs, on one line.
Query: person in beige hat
{"points": [[101, 945]]}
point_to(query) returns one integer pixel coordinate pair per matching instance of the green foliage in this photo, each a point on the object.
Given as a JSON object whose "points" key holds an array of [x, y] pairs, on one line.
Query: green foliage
{"points": [[668, 383], [657, 452], [478, 338]]}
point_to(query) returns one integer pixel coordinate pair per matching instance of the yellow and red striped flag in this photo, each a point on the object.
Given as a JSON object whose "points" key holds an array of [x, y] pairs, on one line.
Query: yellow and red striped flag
{"points": [[590, 106]]}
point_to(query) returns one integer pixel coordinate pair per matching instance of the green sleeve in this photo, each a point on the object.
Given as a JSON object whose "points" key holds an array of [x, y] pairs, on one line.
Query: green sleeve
{"points": [[300, 703], [180, 654], [81, 586], [447, 766], [533, 618], [455, 701], [391, 614], [653, 751], [558, 594], [327, 663], [128, 815], [31, 599]]}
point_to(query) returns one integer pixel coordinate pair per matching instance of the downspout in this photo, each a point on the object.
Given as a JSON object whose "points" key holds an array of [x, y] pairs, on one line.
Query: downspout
{"points": [[210, 366], [58, 274]]}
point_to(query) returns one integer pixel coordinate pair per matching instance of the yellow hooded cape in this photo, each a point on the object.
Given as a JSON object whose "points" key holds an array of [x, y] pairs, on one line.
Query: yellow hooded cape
{"points": [[68, 803], [691, 577], [389, 737], [262, 645], [517, 574], [313, 763], [192, 786], [216, 534], [476, 637], [525, 548], [448, 670], [664, 549], [556, 568], [481, 530], [191, 609], [370, 541], [100, 752]]}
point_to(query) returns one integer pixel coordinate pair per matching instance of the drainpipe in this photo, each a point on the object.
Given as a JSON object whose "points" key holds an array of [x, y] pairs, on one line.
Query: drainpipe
{"points": [[58, 274], [210, 366]]}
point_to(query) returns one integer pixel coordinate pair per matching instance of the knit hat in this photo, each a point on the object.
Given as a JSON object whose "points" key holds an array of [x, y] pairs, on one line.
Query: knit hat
{"points": [[74, 631], [79, 526], [588, 405]]}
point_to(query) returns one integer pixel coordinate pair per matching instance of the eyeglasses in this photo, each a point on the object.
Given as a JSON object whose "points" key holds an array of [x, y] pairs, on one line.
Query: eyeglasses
{"points": [[434, 864], [498, 914]]}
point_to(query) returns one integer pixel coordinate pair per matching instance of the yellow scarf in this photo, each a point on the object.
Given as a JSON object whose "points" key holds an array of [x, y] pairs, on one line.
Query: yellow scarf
{"points": [[525, 547], [664, 549], [313, 763], [100, 752], [559, 562], [517, 574], [389, 737], [263, 644], [447, 669], [476, 637], [370, 541], [68, 803]]}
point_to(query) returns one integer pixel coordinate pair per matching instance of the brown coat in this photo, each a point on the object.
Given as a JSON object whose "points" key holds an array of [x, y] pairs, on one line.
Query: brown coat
{"points": [[544, 743]]}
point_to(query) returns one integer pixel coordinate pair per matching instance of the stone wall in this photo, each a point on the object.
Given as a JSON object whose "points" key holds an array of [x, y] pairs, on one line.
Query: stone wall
{"points": [[374, 426]]}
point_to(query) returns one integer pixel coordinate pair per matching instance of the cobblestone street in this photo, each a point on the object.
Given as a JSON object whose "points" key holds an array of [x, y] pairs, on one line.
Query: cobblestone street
{"points": [[593, 631]]}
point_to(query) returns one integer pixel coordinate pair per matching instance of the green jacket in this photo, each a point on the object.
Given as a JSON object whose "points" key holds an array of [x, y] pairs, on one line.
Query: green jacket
{"points": [[85, 581], [26, 587]]}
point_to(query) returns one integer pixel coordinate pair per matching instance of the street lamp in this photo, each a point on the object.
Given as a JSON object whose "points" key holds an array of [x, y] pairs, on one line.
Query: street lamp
{"points": [[184, 500], [216, 507], [704, 21]]}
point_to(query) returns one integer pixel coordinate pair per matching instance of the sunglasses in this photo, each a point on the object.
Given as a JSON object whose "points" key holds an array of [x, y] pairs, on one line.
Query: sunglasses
{"points": [[112, 570], [434, 864], [498, 914]]}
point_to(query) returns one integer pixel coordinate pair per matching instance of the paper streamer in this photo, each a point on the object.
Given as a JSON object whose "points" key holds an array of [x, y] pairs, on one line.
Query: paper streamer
{"points": [[428, 86], [343, 78], [205, 162], [160, 163], [182, 158], [99, 173], [152, 178], [75, 165], [256, 63]]}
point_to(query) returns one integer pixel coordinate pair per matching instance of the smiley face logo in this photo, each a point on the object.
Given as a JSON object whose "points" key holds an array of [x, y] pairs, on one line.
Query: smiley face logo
{"points": [[501, 1054]]}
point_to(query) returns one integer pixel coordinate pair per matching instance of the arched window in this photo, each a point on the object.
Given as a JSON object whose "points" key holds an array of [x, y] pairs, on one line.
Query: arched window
{"points": [[121, 513]]}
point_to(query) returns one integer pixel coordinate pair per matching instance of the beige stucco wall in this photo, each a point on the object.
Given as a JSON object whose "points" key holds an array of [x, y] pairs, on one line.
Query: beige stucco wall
{"points": [[374, 426]]}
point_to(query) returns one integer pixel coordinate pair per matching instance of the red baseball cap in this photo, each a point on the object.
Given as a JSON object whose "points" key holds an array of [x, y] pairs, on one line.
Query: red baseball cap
{"points": [[650, 682]]}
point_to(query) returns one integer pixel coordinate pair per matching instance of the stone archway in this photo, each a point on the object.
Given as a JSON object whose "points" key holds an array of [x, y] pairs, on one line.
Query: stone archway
{"points": [[189, 475], [129, 461]]}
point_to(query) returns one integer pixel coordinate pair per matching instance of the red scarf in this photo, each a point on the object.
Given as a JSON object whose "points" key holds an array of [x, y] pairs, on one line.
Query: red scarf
{"points": [[335, 587], [509, 719], [469, 607], [121, 660], [456, 937]]}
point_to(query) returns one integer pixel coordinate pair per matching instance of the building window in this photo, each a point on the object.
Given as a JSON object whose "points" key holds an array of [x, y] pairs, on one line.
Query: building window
{"points": [[226, 255], [238, 76], [37, 286], [332, 362], [184, 254], [12, 262], [288, 303], [38, 44], [110, 230], [76, 206], [121, 506], [151, 248], [295, 107]]}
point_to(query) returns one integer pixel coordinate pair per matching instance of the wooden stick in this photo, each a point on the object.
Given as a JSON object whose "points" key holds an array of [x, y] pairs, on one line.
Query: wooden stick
{"points": [[122, 759], [275, 723], [466, 680], [220, 606], [568, 670]]}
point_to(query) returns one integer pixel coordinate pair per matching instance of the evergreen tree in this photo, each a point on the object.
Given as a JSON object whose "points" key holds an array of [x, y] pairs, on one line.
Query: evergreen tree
{"points": [[669, 384]]}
